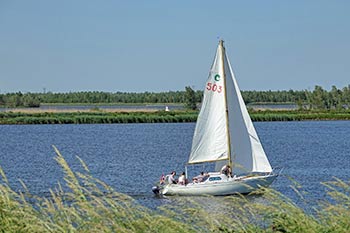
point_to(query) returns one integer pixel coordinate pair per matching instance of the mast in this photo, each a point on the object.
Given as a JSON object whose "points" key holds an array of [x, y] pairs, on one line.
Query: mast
{"points": [[221, 43]]}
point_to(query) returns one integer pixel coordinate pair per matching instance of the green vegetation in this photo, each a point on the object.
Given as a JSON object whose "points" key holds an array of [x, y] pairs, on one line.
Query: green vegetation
{"points": [[86, 204], [95, 97], [98, 116], [305, 99], [299, 115], [190, 99], [18, 99], [316, 105]]}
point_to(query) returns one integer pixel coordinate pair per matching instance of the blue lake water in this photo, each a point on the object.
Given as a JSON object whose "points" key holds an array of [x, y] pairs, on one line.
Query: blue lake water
{"points": [[131, 157]]}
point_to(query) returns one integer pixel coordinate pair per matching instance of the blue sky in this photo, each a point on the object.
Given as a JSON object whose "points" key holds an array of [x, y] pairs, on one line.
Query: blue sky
{"points": [[137, 46]]}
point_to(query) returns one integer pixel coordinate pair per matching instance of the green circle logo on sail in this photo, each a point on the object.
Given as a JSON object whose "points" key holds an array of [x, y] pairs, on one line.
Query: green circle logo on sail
{"points": [[217, 77]]}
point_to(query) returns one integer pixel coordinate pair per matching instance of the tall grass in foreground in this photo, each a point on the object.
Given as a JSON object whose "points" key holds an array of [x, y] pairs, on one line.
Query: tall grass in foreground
{"points": [[90, 205]]}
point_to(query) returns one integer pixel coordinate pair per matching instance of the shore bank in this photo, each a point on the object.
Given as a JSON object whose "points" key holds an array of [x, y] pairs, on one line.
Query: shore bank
{"points": [[151, 116]]}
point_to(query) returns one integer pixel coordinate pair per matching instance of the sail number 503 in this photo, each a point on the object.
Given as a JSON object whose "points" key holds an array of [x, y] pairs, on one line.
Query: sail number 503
{"points": [[213, 87]]}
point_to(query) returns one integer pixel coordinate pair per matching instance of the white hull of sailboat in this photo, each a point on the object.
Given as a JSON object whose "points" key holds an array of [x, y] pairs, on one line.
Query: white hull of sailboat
{"points": [[229, 186]]}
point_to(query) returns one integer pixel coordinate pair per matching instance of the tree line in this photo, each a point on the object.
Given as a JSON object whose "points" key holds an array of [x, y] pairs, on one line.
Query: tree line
{"points": [[318, 98]]}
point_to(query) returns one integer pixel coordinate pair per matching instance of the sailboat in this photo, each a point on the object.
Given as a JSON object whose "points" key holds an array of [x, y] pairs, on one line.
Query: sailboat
{"points": [[225, 135]]}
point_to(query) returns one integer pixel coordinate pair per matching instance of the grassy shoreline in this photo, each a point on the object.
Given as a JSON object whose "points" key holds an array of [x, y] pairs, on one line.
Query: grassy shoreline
{"points": [[152, 116], [86, 204], [96, 117]]}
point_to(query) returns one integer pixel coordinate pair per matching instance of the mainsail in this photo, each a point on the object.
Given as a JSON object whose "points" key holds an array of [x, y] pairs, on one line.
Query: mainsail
{"points": [[210, 140]]}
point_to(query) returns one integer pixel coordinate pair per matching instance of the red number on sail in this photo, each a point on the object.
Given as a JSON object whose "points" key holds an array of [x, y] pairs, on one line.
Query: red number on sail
{"points": [[220, 89], [214, 87], [208, 86]]}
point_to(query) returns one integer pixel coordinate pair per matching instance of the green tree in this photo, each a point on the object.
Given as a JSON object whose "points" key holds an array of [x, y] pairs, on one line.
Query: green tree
{"points": [[190, 98], [335, 98], [14, 100], [346, 97], [2, 101], [319, 98], [30, 100]]}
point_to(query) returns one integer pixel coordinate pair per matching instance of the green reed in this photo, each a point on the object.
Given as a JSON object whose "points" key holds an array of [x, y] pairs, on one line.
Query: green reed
{"points": [[86, 204], [102, 117], [97, 117]]}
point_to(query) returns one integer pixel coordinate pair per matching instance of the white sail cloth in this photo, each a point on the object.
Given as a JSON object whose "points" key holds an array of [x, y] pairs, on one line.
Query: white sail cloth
{"points": [[210, 136], [210, 141]]}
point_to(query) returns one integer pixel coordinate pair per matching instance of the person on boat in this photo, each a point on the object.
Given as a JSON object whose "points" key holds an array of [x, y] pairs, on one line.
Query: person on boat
{"points": [[182, 179], [171, 178], [200, 178], [226, 170], [162, 180]]}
